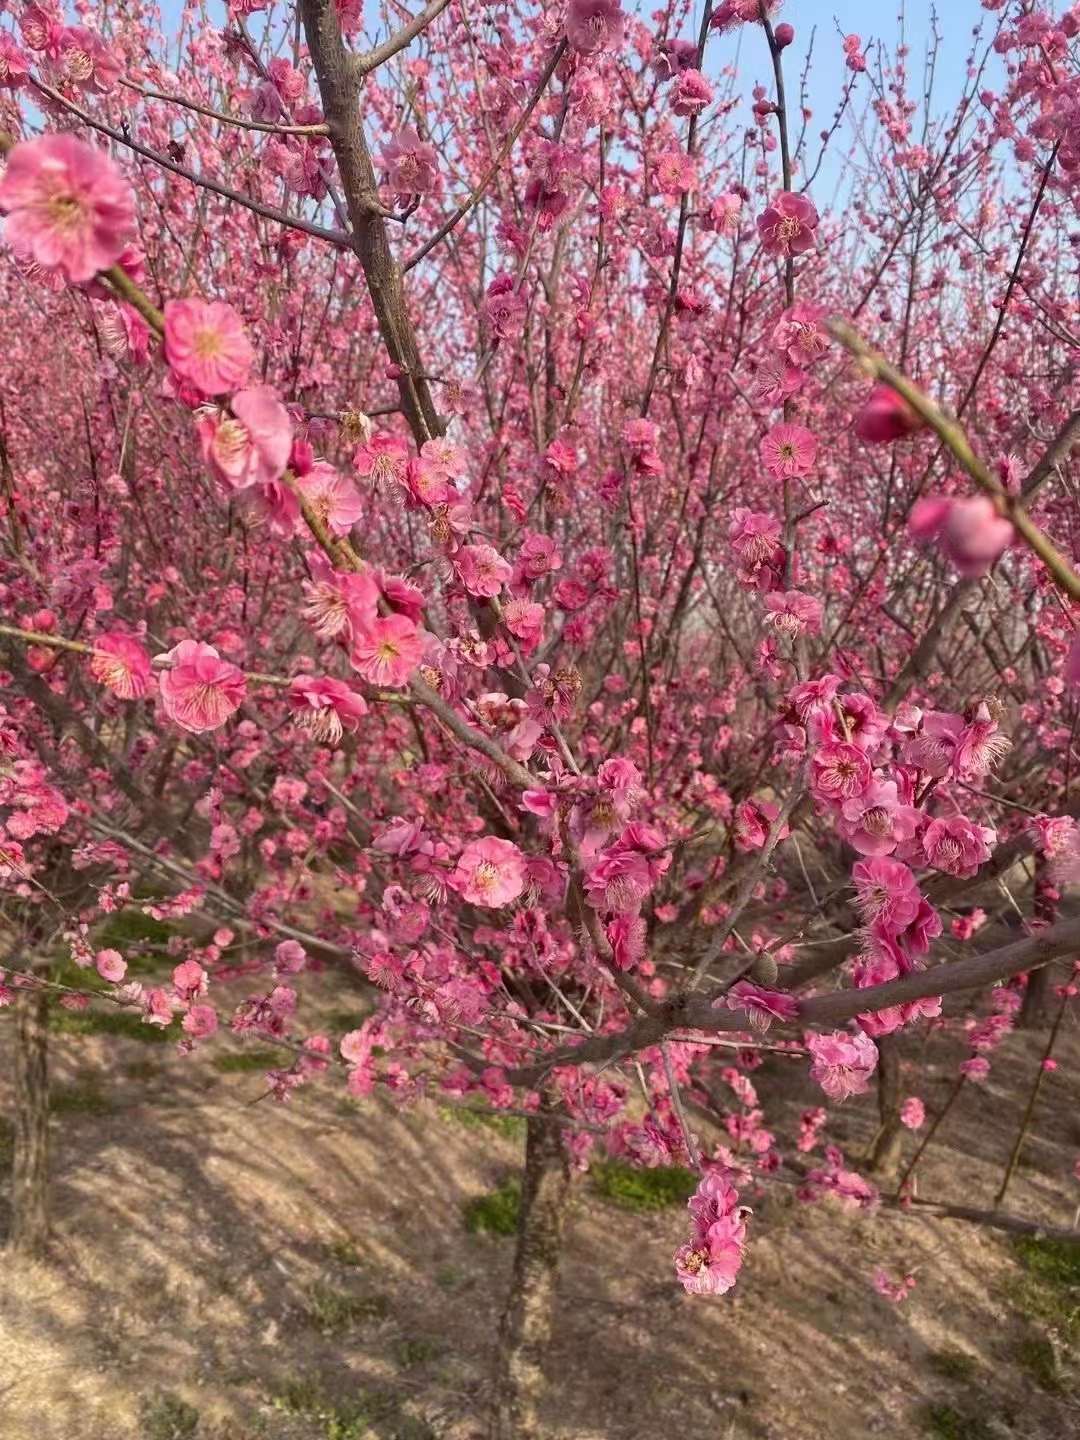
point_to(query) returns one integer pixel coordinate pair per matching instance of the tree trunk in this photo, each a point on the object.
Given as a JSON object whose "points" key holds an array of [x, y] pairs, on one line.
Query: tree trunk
{"points": [[526, 1323], [30, 1167], [884, 1157], [1035, 1011]]}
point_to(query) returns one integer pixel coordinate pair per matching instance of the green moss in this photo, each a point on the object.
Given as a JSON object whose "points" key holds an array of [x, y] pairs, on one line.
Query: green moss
{"points": [[952, 1364], [242, 1062], [334, 1311], [167, 1417], [495, 1213], [642, 1190], [944, 1422], [510, 1125]]}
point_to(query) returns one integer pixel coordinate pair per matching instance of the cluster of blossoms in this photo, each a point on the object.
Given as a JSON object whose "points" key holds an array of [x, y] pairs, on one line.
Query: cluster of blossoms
{"points": [[709, 1262]]}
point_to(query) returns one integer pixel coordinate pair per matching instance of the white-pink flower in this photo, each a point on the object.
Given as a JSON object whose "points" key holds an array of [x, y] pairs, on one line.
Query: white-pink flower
{"points": [[205, 345], [489, 872], [843, 1062], [200, 690]]}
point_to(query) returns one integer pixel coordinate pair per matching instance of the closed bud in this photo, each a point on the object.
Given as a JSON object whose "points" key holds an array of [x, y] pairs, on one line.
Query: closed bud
{"points": [[764, 970]]}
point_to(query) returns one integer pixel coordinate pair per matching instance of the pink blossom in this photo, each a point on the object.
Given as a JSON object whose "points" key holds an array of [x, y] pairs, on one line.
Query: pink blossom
{"points": [[482, 570], [886, 416], [86, 62], [199, 690], [789, 451], [793, 613], [957, 846], [111, 965], [970, 532], [411, 164], [839, 772], [68, 207], [885, 892], [333, 497], [14, 67], [787, 226], [895, 1290], [252, 445], [387, 651], [383, 458], [843, 1062], [593, 25], [200, 1022], [121, 664], [875, 822], [753, 822], [325, 707], [692, 93], [799, 334], [976, 1069], [913, 1113], [206, 346], [709, 1263], [762, 1006], [489, 872]]}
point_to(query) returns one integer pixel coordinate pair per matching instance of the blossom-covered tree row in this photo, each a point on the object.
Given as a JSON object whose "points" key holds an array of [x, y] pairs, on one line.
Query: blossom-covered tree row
{"points": [[505, 500]]}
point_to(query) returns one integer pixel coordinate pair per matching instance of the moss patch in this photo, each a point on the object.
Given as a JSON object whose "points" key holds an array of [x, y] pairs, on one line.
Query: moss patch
{"points": [[642, 1190], [495, 1213]]}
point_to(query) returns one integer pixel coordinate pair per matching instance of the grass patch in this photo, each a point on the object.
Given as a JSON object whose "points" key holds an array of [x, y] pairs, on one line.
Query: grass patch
{"points": [[642, 1190], [84, 1097], [345, 1252], [332, 1312], [243, 1062], [416, 1350], [167, 1417], [107, 1022], [944, 1422], [495, 1213], [1037, 1356], [952, 1364], [351, 1419], [512, 1126], [131, 926], [1056, 1263]]}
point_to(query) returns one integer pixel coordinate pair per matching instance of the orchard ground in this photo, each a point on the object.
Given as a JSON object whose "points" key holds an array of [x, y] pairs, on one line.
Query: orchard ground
{"points": [[228, 1268]]}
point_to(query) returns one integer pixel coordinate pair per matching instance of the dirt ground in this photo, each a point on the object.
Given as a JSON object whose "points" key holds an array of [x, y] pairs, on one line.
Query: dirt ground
{"points": [[232, 1270]]}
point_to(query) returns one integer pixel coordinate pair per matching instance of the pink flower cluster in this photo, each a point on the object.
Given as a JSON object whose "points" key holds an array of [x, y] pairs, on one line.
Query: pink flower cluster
{"points": [[709, 1263]]}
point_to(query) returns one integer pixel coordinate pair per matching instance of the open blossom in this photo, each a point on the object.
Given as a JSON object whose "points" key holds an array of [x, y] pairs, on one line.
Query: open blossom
{"points": [[970, 532], [68, 207], [252, 445], [387, 651], [875, 822], [789, 451], [200, 690], [14, 67], [792, 613], [332, 496], [594, 25], [762, 1006], [111, 965], [489, 872], [839, 772], [121, 664], [800, 336], [692, 93], [410, 164], [885, 892], [339, 602], [787, 226], [205, 345], [482, 570], [753, 821], [85, 61], [842, 1063], [957, 846], [709, 1263], [325, 707]]}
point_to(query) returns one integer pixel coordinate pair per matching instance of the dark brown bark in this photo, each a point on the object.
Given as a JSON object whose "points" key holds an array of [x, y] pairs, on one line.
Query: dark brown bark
{"points": [[338, 73], [884, 1157], [30, 1168], [527, 1318]]}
